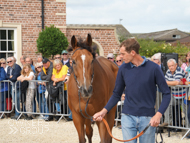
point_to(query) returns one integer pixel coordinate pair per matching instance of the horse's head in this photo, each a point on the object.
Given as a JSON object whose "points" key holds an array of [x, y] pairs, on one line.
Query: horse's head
{"points": [[83, 70]]}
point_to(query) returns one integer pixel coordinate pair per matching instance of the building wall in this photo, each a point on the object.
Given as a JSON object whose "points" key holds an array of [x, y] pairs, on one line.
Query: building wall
{"points": [[105, 37], [27, 13], [25, 16]]}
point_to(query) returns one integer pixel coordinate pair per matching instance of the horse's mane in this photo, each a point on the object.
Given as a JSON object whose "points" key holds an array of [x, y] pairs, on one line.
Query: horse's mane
{"points": [[83, 45]]}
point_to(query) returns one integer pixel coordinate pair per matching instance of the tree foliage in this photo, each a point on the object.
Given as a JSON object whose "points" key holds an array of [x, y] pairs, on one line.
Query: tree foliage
{"points": [[51, 41], [149, 47]]}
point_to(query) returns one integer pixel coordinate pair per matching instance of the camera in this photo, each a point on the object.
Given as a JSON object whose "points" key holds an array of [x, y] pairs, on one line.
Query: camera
{"points": [[189, 60]]}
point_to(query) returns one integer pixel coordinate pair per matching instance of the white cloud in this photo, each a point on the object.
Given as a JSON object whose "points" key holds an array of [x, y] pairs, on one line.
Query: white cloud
{"points": [[138, 16]]}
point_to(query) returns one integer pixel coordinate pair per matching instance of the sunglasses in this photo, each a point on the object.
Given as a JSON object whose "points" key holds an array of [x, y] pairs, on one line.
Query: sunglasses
{"points": [[110, 58], [57, 57], [9, 62], [3, 63], [39, 67], [118, 61], [64, 54]]}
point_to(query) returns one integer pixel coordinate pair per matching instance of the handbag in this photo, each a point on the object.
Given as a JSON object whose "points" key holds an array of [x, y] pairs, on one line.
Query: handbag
{"points": [[24, 87], [54, 90]]}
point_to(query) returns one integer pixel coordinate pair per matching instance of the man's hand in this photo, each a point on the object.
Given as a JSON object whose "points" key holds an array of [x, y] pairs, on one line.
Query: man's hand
{"points": [[155, 120], [99, 115], [11, 76]]}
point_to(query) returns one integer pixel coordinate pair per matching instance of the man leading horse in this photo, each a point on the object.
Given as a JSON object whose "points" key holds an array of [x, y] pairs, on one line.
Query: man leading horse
{"points": [[139, 77]]}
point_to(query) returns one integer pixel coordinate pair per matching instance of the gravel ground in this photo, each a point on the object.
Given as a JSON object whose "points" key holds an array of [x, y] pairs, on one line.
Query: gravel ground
{"points": [[63, 132]]}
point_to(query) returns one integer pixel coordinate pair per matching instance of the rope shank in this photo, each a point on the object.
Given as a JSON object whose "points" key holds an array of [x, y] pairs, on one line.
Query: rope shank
{"points": [[108, 129]]}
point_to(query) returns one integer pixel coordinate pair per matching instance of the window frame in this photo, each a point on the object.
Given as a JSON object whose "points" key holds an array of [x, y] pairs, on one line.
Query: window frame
{"points": [[15, 42]]}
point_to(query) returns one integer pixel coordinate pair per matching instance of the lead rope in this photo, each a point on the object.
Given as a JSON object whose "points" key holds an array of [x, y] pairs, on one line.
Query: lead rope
{"points": [[137, 136]]}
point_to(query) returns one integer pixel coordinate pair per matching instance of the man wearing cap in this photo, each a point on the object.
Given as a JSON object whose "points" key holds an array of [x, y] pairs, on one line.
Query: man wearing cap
{"points": [[46, 74], [65, 57], [110, 57]]}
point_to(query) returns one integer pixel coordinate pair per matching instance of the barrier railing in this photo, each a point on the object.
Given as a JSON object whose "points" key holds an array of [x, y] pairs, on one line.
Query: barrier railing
{"points": [[176, 115], [34, 99], [6, 94]]}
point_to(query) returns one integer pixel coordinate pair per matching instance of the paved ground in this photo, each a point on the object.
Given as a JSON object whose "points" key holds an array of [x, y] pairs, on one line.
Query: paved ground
{"points": [[64, 132]]}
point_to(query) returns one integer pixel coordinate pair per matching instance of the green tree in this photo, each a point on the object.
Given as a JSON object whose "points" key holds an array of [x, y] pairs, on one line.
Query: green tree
{"points": [[149, 47], [51, 41]]}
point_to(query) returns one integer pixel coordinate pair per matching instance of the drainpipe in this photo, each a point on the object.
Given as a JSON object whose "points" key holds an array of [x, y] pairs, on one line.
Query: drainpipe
{"points": [[42, 14]]}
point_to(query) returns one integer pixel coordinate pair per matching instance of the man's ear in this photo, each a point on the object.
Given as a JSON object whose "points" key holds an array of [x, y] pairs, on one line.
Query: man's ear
{"points": [[133, 53]]}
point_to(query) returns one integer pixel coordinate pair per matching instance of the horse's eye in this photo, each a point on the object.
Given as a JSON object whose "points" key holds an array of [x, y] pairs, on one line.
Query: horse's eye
{"points": [[74, 62]]}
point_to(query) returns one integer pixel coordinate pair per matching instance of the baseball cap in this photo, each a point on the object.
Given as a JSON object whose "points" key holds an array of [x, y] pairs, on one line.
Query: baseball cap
{"points": [[45, 60], [110, 55], [64, 52]]}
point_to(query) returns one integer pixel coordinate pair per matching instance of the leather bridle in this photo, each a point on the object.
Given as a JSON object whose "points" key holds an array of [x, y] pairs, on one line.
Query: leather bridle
{"points": [[80, 90]]}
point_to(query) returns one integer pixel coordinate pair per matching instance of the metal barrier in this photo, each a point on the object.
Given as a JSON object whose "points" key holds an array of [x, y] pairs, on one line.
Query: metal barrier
{"points": [[35, 100], [118, 112], [176, 115], [6, 92]]}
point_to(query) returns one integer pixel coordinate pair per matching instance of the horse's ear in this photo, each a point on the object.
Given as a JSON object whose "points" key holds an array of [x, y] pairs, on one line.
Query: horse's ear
{"points": [[89, 40], [74, 42]]}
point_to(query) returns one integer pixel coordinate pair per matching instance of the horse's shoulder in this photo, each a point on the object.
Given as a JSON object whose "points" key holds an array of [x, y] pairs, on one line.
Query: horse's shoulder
{"points": [[107, 65]]}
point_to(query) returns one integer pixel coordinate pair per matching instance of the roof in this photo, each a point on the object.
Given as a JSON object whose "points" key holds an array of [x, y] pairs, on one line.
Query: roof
{"points": [[166, 35], [120, 29], [183, 40]]}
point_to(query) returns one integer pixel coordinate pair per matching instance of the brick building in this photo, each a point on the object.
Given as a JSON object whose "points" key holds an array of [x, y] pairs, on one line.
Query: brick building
{"points": [[21, 21]]}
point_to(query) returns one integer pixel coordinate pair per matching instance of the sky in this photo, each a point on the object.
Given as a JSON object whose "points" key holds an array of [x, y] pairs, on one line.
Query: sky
{"points": [[138, 16]]}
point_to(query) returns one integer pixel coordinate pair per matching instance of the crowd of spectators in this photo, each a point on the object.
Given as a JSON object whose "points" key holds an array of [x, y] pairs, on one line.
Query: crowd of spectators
{"points": [[34, 96]]}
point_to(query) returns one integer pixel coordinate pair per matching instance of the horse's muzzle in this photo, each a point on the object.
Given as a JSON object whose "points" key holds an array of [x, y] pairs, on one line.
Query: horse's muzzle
{"points": [[86, 93]]}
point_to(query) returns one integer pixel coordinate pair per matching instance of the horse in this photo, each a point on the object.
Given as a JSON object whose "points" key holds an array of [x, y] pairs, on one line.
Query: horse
{"points": [[90, 86]]}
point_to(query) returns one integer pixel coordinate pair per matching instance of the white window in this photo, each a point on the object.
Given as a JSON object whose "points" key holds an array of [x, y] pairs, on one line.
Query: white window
{"points": [[8, 42], [176, 36]]}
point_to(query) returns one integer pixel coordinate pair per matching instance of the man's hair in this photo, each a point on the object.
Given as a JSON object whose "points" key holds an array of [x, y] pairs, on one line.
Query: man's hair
{"points": [[157, 56], [131, 44], [10, 58], [171, 60], [24, 58]]}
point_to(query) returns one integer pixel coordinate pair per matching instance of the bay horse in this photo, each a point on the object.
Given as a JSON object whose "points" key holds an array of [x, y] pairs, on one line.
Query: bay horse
{"points": [[90, 86]]}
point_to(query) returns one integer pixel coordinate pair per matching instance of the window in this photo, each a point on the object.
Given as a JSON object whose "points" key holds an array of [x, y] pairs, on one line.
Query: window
{"points": [[7, 42], [176, 36]]}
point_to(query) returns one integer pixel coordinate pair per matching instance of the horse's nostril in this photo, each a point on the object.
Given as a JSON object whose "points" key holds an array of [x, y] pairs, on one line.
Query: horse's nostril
{"points": [[90, 89]]}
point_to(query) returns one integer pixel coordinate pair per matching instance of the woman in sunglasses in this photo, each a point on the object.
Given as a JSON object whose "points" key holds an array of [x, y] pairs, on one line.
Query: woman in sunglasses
{"points": [[3, 64], [42, 104], [119, 61], [3, 89]]}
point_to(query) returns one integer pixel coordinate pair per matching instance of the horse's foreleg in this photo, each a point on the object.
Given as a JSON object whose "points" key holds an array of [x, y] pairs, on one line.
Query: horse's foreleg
{"points": [[79, 125], [104, 136], [89, 130]]}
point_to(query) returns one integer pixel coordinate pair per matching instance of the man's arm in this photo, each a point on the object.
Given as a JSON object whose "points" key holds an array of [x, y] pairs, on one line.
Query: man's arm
{"points": [[162, 85], [15, 73], [172, 83]]}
